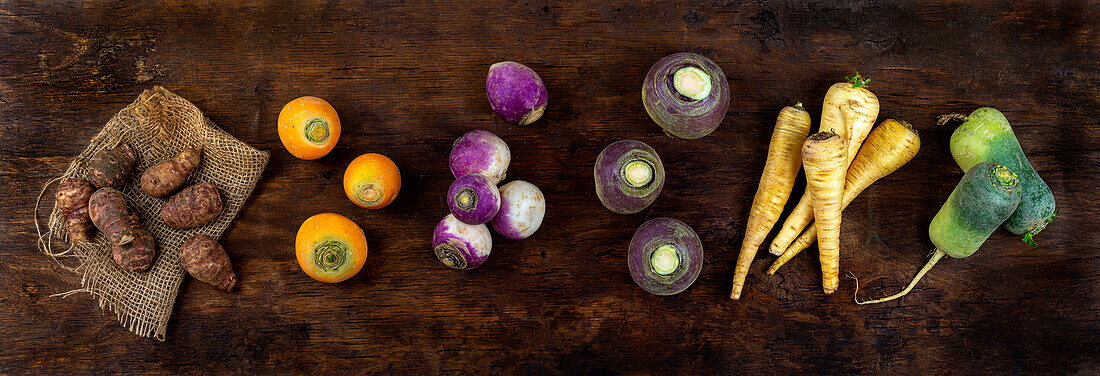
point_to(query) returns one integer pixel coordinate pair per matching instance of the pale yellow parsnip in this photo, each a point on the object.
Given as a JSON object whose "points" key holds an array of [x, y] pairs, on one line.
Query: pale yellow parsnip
{"points": [[824, 157], [891, 145], [780, 170], [850, 111]]}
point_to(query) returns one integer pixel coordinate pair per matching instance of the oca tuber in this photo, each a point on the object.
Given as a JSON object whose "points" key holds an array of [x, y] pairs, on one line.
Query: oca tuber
{"points": [[73, 194], [79, 226], [137, 255], [111, 167], [108, 211], [193, 206], [133, 246], [72, 203], [167, 176], [206, 260]]}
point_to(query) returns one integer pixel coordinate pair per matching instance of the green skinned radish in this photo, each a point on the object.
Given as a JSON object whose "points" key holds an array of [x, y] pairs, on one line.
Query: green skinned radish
{"points": [[986, 136], [985, 197]]}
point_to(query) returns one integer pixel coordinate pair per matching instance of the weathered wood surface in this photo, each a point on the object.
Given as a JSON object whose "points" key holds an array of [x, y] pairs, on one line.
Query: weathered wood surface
{"points": [[407, 79]]}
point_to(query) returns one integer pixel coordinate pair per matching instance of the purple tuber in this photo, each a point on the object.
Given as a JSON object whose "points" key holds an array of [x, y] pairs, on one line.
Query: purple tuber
{"points": [[515, 92], [665, 256], [686, 94], [480, 152], [459, 245], [629, 176], [522, 207], [473, 199]]}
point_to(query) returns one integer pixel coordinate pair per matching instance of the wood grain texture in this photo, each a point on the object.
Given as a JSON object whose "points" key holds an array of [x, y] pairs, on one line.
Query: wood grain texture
{"points": [[408, 78]]}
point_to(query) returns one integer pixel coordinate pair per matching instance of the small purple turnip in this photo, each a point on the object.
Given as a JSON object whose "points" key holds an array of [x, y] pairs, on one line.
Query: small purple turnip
{"points": [[459, 245], [522, 207], [516, 92], [480, 152], [473, 199], [665, 256], [686, 94], [629, 176]]}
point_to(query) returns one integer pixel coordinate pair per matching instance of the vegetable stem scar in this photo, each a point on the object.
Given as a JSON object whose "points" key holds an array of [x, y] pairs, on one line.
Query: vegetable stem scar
{"points": [[330, 255], [1003, 176], [317, 130], [692, 82], [638, 173], [449, 255], [369, 194], [466, 198], [665, 259]]}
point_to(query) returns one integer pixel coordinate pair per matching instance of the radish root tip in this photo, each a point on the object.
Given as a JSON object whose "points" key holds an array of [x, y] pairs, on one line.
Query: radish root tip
{"points": [[944, 119]]}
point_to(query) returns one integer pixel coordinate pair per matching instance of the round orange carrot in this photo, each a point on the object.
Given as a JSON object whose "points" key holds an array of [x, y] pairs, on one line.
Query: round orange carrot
{"points": [[330, 247], [372, 181], [780, 169], [309, 127], [824, 158], [891, 145]]}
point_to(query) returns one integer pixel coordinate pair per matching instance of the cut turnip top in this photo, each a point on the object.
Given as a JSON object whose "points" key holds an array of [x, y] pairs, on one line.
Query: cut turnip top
{"points": [[629, 176], [473, 199], [665, 256], [686, 94]]}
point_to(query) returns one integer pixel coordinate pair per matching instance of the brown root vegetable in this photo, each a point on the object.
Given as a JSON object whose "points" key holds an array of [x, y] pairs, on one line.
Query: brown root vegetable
{"points": [[206, 260], [73, 194], [165, 177], [72, 203], [108, 211], [193, 206], [137, 255], [79, 225], [111, 167]]}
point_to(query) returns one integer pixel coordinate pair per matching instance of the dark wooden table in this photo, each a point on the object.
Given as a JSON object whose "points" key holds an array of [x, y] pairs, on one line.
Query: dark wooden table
{"points": [[407, 79]]}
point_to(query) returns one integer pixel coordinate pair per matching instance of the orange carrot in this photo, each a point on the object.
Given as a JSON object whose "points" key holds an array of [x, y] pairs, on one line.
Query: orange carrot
{"points": [[824, 156], [780, 170], [330, 247], [849, 110], [891, 145], [309, 127], [372, 181]]}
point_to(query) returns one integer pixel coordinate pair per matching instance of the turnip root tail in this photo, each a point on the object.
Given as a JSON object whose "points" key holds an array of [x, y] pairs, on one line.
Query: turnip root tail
{"points": [[936, 256]]}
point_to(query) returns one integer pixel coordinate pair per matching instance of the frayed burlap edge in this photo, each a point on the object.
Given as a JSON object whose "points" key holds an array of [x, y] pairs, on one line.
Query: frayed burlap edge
{"points": [[157, 125]]}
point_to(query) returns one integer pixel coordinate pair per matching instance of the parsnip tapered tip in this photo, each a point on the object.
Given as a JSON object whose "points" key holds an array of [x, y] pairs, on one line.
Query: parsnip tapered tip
{"points": [[774, 268], [735, 293]]}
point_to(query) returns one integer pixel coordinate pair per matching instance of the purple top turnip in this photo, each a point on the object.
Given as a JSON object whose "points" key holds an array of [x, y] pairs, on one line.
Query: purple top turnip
{"points": [[665, 256], [522, 207], [459, 245], [480, 152], [629, 176], [516, 92], [473, 199], [686, 94]]}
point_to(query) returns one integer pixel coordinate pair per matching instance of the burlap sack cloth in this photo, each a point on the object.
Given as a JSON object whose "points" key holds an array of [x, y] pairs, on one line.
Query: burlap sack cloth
{"points": [[158, 125]]}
